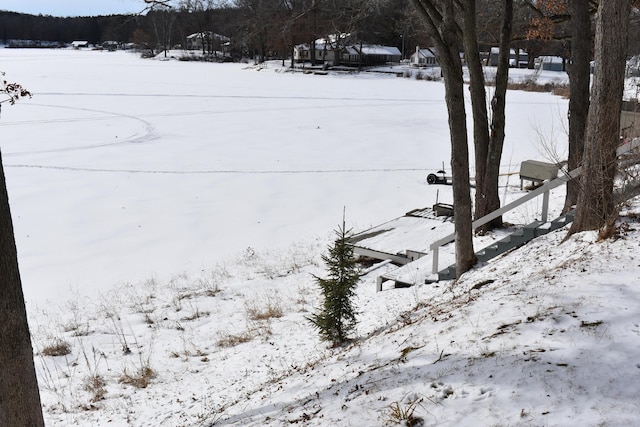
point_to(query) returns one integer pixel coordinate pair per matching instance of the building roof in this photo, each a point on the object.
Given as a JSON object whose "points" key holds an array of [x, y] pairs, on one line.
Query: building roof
{"points": [[356, 49], [210, 34], [428, 52], [380, 50]]}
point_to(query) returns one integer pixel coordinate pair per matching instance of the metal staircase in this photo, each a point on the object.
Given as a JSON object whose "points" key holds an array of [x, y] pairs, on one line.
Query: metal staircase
{"points": [[512, 241]]}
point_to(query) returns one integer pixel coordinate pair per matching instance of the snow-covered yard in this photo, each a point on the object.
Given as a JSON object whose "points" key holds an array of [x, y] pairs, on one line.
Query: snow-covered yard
{"points": [[169, 217]]}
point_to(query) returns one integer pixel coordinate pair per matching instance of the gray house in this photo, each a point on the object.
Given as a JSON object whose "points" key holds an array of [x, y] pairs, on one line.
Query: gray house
{"points": [[373, 54], [549, 63], [517, 59]]}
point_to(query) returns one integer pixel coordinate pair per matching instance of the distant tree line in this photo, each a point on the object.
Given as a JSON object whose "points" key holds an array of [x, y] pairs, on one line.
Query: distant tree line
{"points": [[260, 29], [269, 29]]}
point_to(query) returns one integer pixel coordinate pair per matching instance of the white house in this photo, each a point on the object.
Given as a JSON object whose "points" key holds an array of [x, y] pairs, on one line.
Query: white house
{"points": [[77, 44], [424, 57], [324, 52]]}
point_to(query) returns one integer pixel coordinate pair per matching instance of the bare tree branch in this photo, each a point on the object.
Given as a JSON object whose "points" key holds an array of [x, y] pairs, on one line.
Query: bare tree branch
{"points": [[12, 91]]}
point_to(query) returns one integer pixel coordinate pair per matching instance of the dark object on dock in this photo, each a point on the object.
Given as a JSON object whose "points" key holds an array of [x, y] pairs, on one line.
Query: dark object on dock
{"points": [[443, 209], [438, 178]]}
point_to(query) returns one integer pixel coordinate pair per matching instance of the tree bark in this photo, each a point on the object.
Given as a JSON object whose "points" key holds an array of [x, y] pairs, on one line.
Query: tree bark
{"points": [[477, 90], [596, 205], [579, 79], [490, 197], [488, 141], [19, 394], [440, 21]]}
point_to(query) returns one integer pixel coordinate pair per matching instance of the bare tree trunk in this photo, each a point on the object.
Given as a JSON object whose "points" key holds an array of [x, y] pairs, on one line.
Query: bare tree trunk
{"points": [[440, 21], [579, 79], [454, 83], [19, 394], [478, 101], [490, 196], [488, 145], [596, 206]]}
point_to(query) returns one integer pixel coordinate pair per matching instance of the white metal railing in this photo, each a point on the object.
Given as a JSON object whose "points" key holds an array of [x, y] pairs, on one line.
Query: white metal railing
{"points": [[542, 190]]}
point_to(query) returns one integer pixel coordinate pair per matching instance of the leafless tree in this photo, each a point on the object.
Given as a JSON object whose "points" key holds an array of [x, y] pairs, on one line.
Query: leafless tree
{"points": [[488, 136], [596, 208], [579, 79], [259, 24], [440, 19], [162, 19], [197, 11], [19, 394]]}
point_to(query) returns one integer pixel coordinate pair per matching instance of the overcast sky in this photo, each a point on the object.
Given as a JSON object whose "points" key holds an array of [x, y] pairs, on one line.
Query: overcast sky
{"points": [[73, 7]]}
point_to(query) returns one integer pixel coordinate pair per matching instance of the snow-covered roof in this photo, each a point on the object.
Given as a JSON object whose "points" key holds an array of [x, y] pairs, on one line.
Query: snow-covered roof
{"points": [[355, 49], [427, 52], [351, 50], [380, 50], [209, 34]]}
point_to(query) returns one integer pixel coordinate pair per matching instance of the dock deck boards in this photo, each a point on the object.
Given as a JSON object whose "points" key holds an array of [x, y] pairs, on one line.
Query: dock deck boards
{"points": [[403, 239]]}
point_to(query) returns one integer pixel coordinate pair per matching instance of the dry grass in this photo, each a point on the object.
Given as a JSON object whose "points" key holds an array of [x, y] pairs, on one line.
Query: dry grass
{"points": [[58, 347], [140, 379], [531, 85], [231, 340], [561, 90], [404, 415], [270, 309], [95, 385]]}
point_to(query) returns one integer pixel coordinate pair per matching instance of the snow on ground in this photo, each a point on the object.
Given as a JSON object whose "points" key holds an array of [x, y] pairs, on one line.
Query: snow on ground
{"points": [[152, 167], [169, 217]]}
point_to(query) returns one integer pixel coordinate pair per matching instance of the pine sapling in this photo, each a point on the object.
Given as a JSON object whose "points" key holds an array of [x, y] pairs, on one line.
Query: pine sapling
{"points": [[336, 319]]}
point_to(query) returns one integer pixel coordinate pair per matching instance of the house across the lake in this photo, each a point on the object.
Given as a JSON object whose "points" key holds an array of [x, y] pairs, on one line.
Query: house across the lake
{"points": [[517, 58], [324, 52], [207, 41], [353, 54], [424, 57], [77, 44], [549, 63]]}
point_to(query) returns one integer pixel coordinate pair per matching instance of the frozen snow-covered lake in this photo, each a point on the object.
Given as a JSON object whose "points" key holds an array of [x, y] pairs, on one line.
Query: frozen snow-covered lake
{"points": [[120, 168]]}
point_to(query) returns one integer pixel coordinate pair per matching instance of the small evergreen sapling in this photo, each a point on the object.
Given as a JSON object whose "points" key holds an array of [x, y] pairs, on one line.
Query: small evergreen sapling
{"points": [[336, 319]]}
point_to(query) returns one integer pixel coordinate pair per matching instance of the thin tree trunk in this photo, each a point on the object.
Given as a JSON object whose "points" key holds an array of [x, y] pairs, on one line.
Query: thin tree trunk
{"points": [[596, 206], [440, 22], [579, 79], [490, 196], [454, 83], [478, 102], [19, 394], [488, 145]]}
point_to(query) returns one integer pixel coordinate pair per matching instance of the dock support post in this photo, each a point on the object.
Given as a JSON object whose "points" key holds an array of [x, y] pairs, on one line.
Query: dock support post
{"points": [[545, 206], [434, 268]]}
